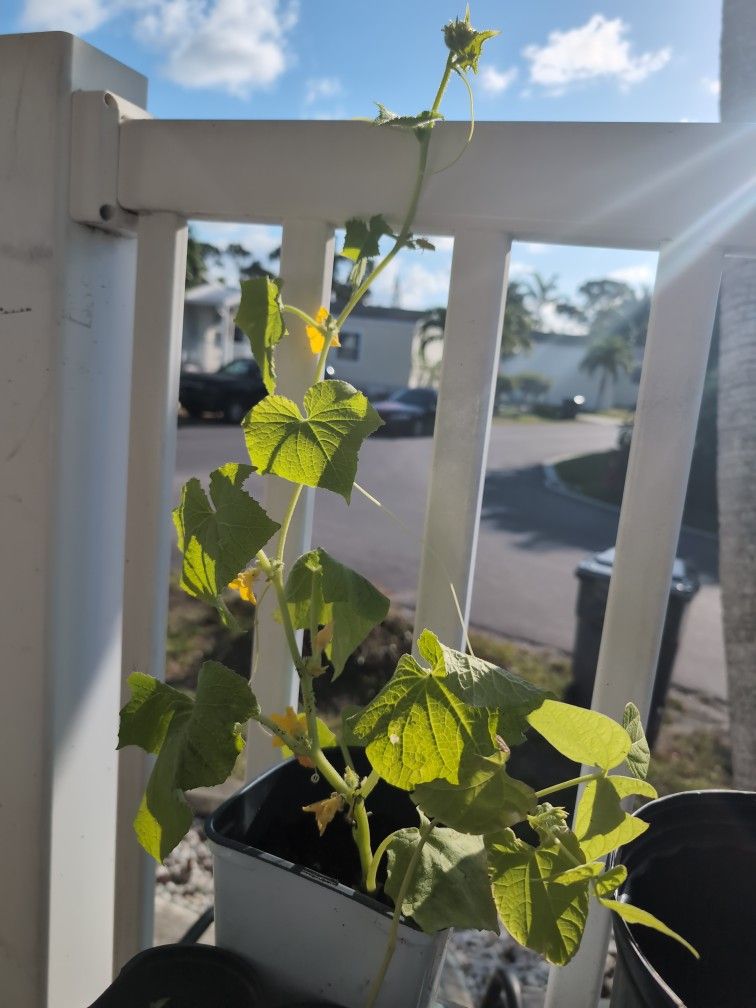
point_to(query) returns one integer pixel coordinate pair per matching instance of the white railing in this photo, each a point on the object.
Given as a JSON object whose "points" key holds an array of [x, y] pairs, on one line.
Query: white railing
{"points": [[86, 501]]}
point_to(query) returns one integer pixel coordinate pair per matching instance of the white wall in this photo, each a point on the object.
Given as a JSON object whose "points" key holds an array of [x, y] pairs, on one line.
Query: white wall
{"points": [[560, 362], [384, 355]]}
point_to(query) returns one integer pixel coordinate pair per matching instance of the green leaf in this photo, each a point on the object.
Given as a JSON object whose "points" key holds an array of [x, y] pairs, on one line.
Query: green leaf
{"points": [[582, 735], [218, 543], [486, 800], [609, 881], [634, 915], [362, 237], [347, 600], [449, 887], [422, 120], [537, 910], [601, 824], [480, 684], [196, 743], [320, 449], [416, 730], [260, 318], [639, 757], [349, 715], [578, 874]]}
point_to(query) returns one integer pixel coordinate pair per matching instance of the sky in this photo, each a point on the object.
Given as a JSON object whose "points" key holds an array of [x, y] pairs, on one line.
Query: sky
{"points": [[567, 60]]}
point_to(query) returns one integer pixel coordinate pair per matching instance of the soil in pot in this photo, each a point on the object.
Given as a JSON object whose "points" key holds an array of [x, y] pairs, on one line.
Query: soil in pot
{"points": [[283, 829]]}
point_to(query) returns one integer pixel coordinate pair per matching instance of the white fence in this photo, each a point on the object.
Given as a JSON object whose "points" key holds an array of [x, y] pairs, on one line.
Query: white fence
{"points": [[86, 492]]}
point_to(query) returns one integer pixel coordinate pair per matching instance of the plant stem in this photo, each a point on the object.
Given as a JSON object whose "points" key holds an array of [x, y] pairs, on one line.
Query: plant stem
{"points": [[362, 838], [375, 987], [307, 319], [324, 766], [569, 783], [284, 531], [370, 782], [370, 880], [424, 140]]}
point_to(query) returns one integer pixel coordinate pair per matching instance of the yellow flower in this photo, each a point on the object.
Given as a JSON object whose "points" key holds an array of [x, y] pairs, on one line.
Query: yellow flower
{"points": [[295, 725], [325, 810], [316, 337], [243, 584]]}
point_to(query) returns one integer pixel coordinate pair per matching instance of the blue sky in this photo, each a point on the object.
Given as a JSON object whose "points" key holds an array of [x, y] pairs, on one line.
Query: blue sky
{"points": [[649, 60]]}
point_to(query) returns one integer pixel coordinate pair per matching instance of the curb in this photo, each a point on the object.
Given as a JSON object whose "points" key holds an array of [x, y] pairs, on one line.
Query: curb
{"points": [[553, 482]]}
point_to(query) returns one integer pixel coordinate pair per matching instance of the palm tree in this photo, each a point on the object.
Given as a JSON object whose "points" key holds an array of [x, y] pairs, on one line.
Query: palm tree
{"points": [[540, 292], [611, 356], [737, 420], [515, 335]]}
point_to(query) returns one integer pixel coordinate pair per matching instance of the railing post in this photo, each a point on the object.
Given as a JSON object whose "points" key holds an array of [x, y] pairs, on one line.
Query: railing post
{"points": [[66, 311], [306, 268], [472, 342], [669, 399], [158, 316]]}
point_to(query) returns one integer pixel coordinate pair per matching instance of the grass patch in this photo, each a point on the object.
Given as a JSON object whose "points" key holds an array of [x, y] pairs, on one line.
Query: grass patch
{"points": [[601, 475], [593, 475], [691, 760], [692, 750]]}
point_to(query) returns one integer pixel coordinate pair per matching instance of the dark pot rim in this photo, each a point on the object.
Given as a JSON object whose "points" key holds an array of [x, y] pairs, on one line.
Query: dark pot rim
{"points": [[216, 836], [664, 804]]}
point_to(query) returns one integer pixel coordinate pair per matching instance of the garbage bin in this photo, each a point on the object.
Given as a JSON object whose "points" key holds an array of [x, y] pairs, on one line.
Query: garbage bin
{"points": [[593, 576]]}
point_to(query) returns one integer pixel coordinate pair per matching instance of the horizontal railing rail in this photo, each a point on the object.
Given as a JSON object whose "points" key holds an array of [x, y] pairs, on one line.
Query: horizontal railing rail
{"points": [[618, 185]]}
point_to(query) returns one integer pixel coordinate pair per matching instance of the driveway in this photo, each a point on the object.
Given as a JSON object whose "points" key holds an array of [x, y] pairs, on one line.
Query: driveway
{"points": [[530, 538]]}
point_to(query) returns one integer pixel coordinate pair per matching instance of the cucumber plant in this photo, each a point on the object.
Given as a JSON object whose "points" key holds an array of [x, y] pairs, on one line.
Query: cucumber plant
{"points": [[444, 725]]}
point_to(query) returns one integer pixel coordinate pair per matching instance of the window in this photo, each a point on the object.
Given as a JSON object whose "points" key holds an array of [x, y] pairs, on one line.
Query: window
{"points": [[350, 346]]}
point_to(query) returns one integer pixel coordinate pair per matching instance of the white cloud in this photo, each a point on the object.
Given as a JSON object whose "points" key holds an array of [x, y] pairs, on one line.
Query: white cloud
{"points": [[497, 81], [321, 87], [76, 16], [711, 85], [552, 320], [232, 45], [598, 49], [419, 286], [636, 276]]}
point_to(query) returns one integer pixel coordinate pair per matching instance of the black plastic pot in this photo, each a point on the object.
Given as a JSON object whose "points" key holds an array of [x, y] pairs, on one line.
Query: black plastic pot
{"points": [[189, 976], [695, 869]]}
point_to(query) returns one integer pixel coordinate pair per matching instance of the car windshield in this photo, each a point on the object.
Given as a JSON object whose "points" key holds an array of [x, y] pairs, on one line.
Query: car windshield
{"points": [[237, 367], [414, 397]]}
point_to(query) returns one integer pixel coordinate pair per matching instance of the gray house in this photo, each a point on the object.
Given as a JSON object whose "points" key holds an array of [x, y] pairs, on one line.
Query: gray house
{"points": [[376, 343]]}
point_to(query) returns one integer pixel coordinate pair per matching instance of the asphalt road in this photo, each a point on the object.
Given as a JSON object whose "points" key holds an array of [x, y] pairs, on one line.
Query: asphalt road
{"points": [[531, 539]]}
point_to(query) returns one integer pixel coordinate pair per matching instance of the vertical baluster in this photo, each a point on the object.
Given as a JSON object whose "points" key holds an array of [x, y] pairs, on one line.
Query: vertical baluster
{"points": [[306, 268], [480, 266], [158, 318], [674, 367]]}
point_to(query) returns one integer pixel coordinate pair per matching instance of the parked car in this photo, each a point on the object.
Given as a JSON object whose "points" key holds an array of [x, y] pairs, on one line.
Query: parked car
{"points": [[408, 411], [231, 391]]}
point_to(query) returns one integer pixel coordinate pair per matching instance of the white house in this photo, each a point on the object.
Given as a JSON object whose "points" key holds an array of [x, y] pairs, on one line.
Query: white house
{"points": [[557, 357], [209, 338], [376, 343]]}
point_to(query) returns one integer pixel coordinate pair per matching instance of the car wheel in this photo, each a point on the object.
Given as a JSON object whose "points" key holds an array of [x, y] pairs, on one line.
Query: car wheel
{"points": [[418, 427], [235, 412]]}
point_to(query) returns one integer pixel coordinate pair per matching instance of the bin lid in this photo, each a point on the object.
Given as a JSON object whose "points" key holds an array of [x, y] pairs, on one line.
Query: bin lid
{"points": [[599, 565]]}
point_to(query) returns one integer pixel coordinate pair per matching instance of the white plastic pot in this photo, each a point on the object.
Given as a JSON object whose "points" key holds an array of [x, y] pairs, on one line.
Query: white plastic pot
{"points": [[307, 935]]}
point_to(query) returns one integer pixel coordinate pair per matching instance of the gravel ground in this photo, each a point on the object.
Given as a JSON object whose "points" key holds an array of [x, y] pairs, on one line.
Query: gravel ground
{"points": [[185, 890]]}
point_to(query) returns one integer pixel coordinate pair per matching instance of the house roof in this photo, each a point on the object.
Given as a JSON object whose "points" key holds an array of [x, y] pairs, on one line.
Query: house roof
{"points": [[215, 295], [220, 296]]}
